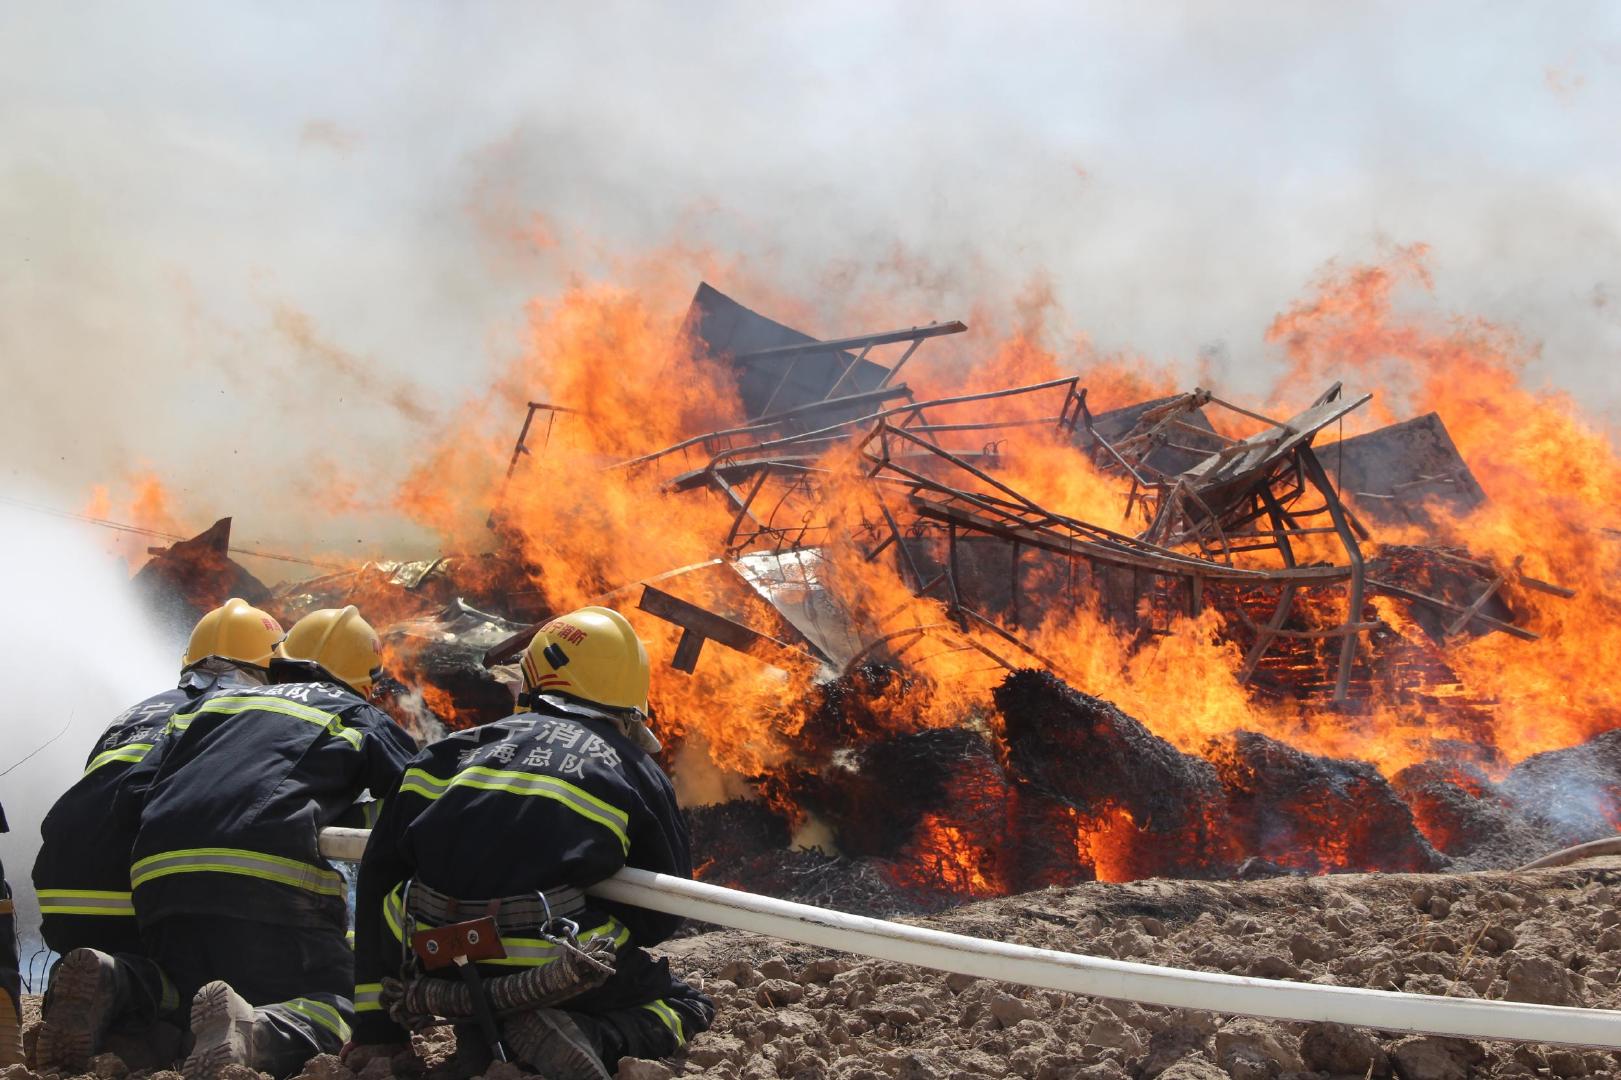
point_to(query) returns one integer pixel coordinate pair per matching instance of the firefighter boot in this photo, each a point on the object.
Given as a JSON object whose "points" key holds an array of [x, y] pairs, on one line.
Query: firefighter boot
{"points": [[552, 1044], [223, 1032], [472, 1055], [11, 1041], [88, 991]]}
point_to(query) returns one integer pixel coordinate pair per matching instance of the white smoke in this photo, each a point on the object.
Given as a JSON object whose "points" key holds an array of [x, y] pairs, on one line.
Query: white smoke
{"points": [[284, 249], [78, 650]]}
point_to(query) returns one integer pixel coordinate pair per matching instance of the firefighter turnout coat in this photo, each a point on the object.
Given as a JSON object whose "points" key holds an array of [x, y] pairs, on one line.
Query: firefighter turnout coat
{"points": [[82, 871], [245, 782], [540, 801]]}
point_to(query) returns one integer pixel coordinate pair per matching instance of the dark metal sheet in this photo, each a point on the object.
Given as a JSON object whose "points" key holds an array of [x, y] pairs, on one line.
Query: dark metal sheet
{"points": [[1395, 473], [728, 329]]}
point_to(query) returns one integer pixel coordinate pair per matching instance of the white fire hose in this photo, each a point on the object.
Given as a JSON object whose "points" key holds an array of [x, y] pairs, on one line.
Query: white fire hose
{"points": [[1092, 976]]}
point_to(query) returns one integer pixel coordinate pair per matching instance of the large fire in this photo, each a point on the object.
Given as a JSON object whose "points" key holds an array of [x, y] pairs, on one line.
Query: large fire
{"points": [[587, 523]]}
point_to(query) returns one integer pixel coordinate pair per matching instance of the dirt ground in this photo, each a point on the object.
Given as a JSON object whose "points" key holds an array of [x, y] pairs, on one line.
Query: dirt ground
{"points": [[798, 1013]]}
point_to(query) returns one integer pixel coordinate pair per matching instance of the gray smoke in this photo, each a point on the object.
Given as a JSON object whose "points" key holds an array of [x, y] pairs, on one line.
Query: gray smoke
{"points": [[264, 247]]}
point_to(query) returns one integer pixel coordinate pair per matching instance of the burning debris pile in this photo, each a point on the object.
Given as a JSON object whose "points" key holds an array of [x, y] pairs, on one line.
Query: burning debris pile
{"points": [[973, 642]]}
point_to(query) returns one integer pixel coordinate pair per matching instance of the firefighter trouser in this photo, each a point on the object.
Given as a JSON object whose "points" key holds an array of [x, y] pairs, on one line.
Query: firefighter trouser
{"points": [[11, 999], [642, 1012], [299, 978], [112, 934]]}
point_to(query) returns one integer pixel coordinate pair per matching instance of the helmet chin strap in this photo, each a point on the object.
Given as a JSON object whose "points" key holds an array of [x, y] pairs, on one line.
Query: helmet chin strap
{"points": [[630, 722]]}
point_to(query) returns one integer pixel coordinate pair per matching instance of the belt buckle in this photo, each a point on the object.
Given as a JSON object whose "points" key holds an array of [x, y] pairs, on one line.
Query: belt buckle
{"points": [[548, 929], [458, 943]]}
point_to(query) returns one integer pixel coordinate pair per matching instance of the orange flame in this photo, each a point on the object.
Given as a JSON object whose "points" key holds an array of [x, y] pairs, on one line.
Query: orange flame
{"points": [[144, 502]]}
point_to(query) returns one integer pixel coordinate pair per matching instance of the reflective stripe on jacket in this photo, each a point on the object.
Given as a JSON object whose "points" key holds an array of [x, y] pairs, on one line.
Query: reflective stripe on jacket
{"points": [[548, 799], [82, 868], [247, 780]]}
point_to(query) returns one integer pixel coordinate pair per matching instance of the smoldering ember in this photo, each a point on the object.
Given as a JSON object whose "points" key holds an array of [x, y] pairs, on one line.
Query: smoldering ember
{"points": [[927, 647]]}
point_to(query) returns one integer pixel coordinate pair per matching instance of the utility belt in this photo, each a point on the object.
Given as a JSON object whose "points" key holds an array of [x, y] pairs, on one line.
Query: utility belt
{"points": [[512, 914], [462, 935]]}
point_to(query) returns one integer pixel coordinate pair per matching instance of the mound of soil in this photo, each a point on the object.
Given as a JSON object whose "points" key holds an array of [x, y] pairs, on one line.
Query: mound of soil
{"points": [[798, 1013]]}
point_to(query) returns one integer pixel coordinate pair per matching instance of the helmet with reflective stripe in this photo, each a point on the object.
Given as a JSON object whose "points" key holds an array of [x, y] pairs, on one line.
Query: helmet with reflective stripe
{"points": [[592, 654], [340, 642], [236, 630]]}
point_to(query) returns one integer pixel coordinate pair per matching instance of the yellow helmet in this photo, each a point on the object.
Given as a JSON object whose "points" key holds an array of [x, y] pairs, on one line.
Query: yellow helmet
{"points": [[236, 630], [340, 642], [592, 654]]}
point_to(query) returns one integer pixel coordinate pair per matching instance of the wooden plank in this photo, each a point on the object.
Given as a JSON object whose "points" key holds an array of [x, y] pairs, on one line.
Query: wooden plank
{"points": [[706, 625], [1418, 597], [687, 650]]}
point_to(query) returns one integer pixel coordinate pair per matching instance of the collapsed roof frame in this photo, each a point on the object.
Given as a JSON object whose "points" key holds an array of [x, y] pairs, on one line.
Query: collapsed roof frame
{"points": [[1217, 506], [811, 416], [1244, 496], [915, 335], [900, 448], [803, 457], [1010, 515]]}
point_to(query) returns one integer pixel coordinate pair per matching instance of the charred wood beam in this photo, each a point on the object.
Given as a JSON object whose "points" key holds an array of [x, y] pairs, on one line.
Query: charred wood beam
{"points": [[875, 397], [1546, 587], [1008, 636], [857, 362], [1445, 605], [1185, 426], [734, 470], [1100, 552], [1324, 400], [1264, 636], [879, 419], [988, 425], [1313, 469], [1519, 576], [743, 510], [700, 625], [896, 370], [888, 337], [521, 448], [1462, 621], [766, 424]]}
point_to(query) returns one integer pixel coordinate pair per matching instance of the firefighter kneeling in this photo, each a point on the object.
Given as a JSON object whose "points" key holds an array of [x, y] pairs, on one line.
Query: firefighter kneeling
{"points": [[242, 922], [509, 822]]}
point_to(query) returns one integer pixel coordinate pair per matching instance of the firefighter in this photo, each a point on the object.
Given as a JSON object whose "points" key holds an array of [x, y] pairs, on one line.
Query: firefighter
{"points": [[11, 985], [81, 874], [243, 920], [513, 819]]}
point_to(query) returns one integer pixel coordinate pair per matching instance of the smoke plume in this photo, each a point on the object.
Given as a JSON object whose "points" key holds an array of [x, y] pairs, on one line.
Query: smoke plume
{"points": [[78, 651]]}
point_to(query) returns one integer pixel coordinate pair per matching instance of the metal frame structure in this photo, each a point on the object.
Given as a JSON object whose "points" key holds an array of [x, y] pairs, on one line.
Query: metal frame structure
{"points": [[785, 474]]}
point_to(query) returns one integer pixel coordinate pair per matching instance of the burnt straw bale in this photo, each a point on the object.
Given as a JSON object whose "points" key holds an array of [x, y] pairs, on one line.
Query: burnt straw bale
{"points": [[745, 844], [1467, 818], [728, 836], [1086, 753], [875, 797], [1317, 814], [865, 703], [1573, 794]]}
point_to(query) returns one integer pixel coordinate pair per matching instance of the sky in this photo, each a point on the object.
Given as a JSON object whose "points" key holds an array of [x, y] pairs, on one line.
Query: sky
{"points": [[242, 245]]}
